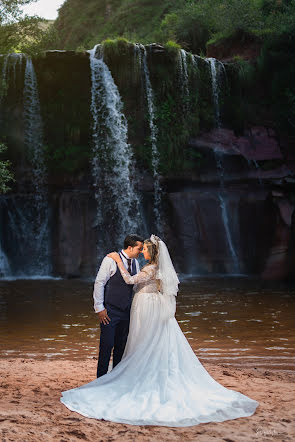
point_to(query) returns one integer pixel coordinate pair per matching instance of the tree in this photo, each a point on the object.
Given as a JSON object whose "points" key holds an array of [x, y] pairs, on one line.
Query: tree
{"points": [[199, 20], [10, 10], [23, 33]]}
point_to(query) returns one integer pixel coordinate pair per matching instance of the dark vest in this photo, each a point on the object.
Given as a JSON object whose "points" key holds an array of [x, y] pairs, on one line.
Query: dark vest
{"points": [[117, 293]]}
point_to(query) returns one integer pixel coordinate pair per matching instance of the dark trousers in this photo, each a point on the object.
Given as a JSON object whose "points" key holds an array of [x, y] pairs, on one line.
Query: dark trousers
{"points": [[112, 336]]}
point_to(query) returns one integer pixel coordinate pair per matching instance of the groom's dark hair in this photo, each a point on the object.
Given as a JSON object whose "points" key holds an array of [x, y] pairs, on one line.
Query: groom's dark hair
{"points": [[131, 240]]}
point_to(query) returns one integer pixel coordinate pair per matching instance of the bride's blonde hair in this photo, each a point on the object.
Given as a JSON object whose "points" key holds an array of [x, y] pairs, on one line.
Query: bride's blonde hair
{"points": [[153, 250]]}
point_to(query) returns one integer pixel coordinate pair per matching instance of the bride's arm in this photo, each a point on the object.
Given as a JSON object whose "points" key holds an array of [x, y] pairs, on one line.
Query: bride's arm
{"points": [[143, 276]]}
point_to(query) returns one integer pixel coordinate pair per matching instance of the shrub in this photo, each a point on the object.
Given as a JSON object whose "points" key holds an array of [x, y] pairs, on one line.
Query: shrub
{"points": [[116, 47], [172, 47]]}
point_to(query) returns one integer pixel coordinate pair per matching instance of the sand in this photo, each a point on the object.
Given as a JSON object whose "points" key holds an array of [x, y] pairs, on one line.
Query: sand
{"points": [[30, 409]]}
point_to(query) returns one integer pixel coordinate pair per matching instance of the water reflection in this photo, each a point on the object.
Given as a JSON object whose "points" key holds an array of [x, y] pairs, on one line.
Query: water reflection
{"points": [[233, 321]]}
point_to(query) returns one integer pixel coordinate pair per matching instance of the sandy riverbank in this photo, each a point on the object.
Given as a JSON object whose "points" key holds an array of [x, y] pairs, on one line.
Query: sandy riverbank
{"points": [[30, 409]]}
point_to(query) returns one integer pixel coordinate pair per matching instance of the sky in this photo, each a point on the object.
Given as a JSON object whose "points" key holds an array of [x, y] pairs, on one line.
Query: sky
{"points": [[44, 8]]}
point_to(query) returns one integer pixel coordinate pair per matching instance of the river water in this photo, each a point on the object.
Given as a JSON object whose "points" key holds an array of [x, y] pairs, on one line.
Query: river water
{"points": [[234, 321]]}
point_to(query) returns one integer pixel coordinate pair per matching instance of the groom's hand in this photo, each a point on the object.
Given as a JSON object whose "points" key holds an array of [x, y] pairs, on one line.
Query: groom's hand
{"points": [[103, 317]]}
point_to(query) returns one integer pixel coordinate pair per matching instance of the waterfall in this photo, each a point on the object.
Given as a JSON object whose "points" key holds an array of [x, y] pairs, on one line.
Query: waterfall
{"points": [[30, 217], [26, 225], [10, 62], [5, 270], [194, 61], [138, 50], [182, 63], [34, 130], [4, 263], [112, 163], [220, 167], [153, 136], [258, 168], [4, 70], [15, 60], [215, 90], [3, 85]]}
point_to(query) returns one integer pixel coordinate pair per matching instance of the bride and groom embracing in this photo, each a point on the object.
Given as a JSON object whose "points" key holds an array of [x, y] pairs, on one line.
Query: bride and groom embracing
{"points": [[156, 377]]}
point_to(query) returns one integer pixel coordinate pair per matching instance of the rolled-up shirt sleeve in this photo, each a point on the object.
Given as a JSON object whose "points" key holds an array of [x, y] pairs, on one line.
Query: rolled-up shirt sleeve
{"points": [[103, 275]]}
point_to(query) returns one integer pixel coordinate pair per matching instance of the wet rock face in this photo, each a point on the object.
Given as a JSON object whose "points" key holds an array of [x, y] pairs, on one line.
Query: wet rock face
{"points": [[258, 143], [231, 212], [73, 235], [195, 216]]}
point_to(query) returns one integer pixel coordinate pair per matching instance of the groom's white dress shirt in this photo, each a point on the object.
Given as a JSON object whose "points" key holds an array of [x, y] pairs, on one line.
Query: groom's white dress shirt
{"points": [[107, 269]]}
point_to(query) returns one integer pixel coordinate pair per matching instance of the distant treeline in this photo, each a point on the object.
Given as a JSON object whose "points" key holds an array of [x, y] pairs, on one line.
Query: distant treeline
{"points": [[192, 23]]}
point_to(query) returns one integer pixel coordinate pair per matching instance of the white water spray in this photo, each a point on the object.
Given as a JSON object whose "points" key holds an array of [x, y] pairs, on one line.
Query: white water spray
{"points": [[112, 163], [219, 163]]}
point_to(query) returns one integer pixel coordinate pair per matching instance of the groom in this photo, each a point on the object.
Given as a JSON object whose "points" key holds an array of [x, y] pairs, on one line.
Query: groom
{"points": [[112, 301]]}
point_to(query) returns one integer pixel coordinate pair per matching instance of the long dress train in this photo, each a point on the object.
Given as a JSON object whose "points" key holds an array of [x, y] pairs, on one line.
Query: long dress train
{"points": [[160, 380]]}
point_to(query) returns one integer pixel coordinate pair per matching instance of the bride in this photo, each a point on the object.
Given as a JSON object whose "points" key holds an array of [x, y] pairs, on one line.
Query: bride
{"points": [[159, 380]]}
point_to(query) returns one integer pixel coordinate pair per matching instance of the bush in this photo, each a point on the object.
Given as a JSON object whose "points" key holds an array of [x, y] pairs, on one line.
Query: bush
{"points": [[172, 47], [116, 47], [193, 25]]}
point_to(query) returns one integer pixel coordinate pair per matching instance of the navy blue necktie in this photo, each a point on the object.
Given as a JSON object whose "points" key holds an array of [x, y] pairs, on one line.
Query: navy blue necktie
{"points": [[129, 265]]}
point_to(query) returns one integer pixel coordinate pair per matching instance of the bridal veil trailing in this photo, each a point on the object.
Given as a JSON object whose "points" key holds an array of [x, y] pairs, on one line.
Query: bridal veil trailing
{"points": [[159, 381]]}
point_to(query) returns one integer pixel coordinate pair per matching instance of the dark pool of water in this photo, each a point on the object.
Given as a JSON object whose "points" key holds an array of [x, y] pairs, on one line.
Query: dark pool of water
{"points": [[236, 321]]}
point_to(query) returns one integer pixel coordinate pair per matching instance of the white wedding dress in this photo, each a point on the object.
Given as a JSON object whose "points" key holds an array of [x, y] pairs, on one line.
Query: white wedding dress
{"points": [[159, 380]]}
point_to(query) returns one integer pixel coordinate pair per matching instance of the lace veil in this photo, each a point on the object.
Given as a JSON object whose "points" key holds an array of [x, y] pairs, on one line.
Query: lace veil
{"points": [[166, 272]]}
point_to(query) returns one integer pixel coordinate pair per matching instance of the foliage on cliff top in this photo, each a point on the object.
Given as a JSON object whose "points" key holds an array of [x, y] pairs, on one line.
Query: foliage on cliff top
{"points": [[86, 23], [191, 23]]}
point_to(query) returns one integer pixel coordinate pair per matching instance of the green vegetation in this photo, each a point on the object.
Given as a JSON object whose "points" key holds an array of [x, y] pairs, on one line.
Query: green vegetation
{"points": [[172, 48], [10, 10], [5, 174], [117, 47], [84, 24], [192, 24], [260, 85], [67, 159], [30, 35], [22, 33]]}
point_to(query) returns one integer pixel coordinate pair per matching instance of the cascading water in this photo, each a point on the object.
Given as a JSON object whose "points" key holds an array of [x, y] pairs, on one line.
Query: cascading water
{"points": [[4, 71], [34, 131], [4, 263], [27, 222], [112, 163], [30, 216], [10, 62], [220, 167], [153, 137], [15, 61], [194, 61], [215, 91], [5, 270], [9, 68], [182, 63], [258, 169]]}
